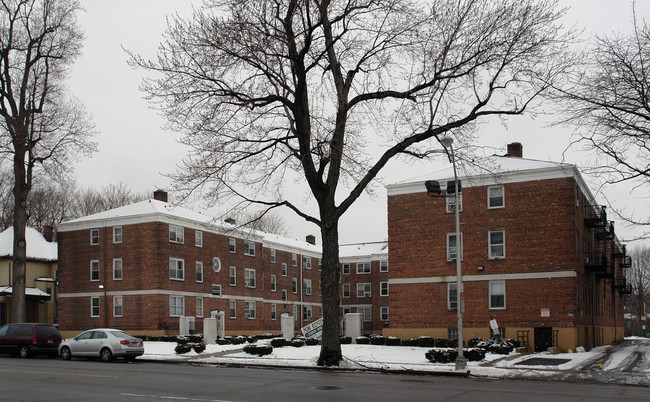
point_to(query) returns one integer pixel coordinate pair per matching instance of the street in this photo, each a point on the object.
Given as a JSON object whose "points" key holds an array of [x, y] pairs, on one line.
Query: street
{"points": [[81, 380]]}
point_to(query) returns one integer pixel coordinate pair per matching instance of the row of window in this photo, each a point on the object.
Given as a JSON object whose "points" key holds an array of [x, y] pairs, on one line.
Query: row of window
{"points": [[366, 313], [496, 245], [495, 199], [496, 290], [365, 267], [365, 289]]}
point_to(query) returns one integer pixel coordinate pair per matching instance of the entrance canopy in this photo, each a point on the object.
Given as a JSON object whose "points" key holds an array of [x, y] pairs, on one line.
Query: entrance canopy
{"points": [[30, 293]]}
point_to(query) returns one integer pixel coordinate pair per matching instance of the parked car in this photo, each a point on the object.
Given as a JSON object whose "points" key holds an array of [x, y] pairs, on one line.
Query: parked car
{"points": [[105, 343], [27, 339]]}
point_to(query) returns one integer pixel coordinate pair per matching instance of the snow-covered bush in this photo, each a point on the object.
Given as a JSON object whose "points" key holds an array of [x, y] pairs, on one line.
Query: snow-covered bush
{"points": [[198, 347], [345, 340], [278, 342], [377, 340], [296, 343], [409, 342], [260, 350], [362, 340], [392, 341], [182, 348], [426, 341], [311, 341]]}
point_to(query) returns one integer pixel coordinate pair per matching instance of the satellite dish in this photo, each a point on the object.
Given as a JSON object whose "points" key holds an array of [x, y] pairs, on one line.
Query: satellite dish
{"points": [[216, 264]]}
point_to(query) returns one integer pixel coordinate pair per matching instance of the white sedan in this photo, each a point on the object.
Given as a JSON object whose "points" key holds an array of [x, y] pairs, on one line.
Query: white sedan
{"points": [[105, 343]]}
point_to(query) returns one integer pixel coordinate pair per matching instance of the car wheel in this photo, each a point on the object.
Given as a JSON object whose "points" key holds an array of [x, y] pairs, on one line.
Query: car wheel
{"points": [[65, 353], [23, 351], [106, 355]]}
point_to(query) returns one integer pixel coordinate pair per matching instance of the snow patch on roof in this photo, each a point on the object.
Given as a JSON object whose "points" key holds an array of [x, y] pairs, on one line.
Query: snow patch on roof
{"points": [[363, 250], [37, 247]]}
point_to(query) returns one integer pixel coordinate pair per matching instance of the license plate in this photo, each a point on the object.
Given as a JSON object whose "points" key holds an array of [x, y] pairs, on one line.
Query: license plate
{"points": [[50, 341]]}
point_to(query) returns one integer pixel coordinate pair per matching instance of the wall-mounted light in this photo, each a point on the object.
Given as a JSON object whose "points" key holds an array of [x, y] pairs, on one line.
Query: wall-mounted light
{"points": [[101, 286], [479, 268]]}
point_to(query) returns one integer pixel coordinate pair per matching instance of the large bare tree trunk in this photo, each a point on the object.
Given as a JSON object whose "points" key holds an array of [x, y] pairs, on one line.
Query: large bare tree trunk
{"points": [[21, 191], [330, 353]]}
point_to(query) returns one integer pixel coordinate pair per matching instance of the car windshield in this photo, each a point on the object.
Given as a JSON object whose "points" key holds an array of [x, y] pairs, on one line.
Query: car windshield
{"points": [[121, 334]]}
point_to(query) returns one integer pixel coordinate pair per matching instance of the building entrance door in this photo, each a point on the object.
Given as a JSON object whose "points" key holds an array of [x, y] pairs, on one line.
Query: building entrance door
{"points": [[543, 338]]}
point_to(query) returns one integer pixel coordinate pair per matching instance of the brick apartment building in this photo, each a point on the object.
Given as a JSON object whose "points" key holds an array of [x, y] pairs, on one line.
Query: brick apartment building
{"points": [[538, 255]]}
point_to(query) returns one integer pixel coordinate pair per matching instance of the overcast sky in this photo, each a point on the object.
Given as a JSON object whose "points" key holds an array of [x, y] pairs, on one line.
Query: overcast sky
{"points": [[135, 149]]}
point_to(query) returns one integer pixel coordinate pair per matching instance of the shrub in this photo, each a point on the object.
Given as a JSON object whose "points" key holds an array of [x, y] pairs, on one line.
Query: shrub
{"points": [[260, 350], [182, 348], [312, 341], [498, 346], [362, 340], [426, 341], [441, 355], [377, 340], [392, 341], [345, 340], [195, 339], [251, 339], [474, 354], [473, 342], [153, 338], [296, 343], [198, 347], [237, 340], [278, 342], [409, 342]]}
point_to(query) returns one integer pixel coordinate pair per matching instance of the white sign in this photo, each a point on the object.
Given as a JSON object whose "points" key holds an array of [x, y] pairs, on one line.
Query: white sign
{"points": [[313, 330], [546, 312], [494, 326]]}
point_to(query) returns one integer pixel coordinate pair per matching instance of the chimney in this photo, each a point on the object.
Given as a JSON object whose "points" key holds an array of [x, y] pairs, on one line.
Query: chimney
{"points": [[311, 239], [515, 150], [230, 220], [160, 195], [48, 232]]}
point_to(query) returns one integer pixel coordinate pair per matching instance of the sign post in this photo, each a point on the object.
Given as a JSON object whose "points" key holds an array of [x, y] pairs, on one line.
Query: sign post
{"points": [[313, 330]]}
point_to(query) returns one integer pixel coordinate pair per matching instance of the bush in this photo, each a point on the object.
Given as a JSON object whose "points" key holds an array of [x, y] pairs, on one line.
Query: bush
{"points": [[377, 340], [498, 346], [153, 338], [182, 348], [312, 341], [362, 340], [258, 350], [426, 341], [237, 340], [474, 354], [251, 339], [345, 340], [278, 342], [473, 342], [198, 347], [392, 341], [441, 355], [409, 342]]}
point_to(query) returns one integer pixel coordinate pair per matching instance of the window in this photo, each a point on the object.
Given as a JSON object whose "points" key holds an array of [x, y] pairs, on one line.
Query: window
{"points": [[272, 256], [346, 290], [306, 313], [383, 288], [384, 313], [452, 296], [306, 262], [363, 290], [295, 312], [363, 268], [176, 269], [294, 285], [346, 310], [284, 269], [274, 312], [249, 310], [450, 203], [233, 276], [497, 294], [273, 283], [306, 286], [233, 309], [117, 234], [249, 248], [452, 249], [117, 306], [497, 244], [452, 333], [176, 306], [94, 270], [94, 237], [198, 238], [176, 234], [294, 260], [284, 295], [232, 245], [216, 289], [199, 271], [94, 306], [117, 269], [249, 278], [366, 313], [346, 269], [495, 197], [383, 266], [199, 307]]}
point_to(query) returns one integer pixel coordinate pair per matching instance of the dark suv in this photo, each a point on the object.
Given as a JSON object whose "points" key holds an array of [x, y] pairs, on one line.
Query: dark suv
{"points": [[26, 339]]}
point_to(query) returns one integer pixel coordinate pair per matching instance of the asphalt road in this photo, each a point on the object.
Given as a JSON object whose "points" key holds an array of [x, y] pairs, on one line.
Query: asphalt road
{"points": [[80, 380]]}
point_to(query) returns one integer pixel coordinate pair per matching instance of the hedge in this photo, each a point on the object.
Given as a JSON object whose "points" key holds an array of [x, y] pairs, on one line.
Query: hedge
{"points": [[258, 350]]}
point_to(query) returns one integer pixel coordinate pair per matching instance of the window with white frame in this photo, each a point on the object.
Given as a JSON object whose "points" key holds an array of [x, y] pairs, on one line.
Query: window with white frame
{"points": [[117, 269], [495, 197], [118, 309], [366, 313], [384, 313], [497, 244], [199, 307], [198, 238], [346, 310], [249, 310], [363, 268], [176, 306], [295, 312], [294, 285], [274, 314], [249, 248], [383, 266], [272, 256], [383, 288], [232, 246], [363, 290], [306, 262], [294, 260], [199, 271], [233, 309], [497, 294], [320, 264], [273, 283], [117, 234], [452, 247], [452, 333], [346, 290], [306, 286], [94, 237], [94, 306], [216, 289], [284, 295], [306, 313], [284, 269], [176, 234], [452, 296], [177, 269], [320, 288], [346, 269], [233, 276], [94, 270], [249, 278], [450, 203]]}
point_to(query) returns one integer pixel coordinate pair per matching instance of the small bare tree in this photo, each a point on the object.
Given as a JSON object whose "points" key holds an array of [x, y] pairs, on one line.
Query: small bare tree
{"points": [[327, 92], [638, 277], [41, 127]]}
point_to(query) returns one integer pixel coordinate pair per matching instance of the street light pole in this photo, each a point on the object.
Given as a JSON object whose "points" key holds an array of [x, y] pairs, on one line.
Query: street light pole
{"points": [[461, 362]]}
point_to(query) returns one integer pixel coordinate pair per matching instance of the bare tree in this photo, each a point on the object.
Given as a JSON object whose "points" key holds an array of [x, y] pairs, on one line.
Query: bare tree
{"points": [[326, 92], [638, 277], [265, 221], [41, 127]]}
